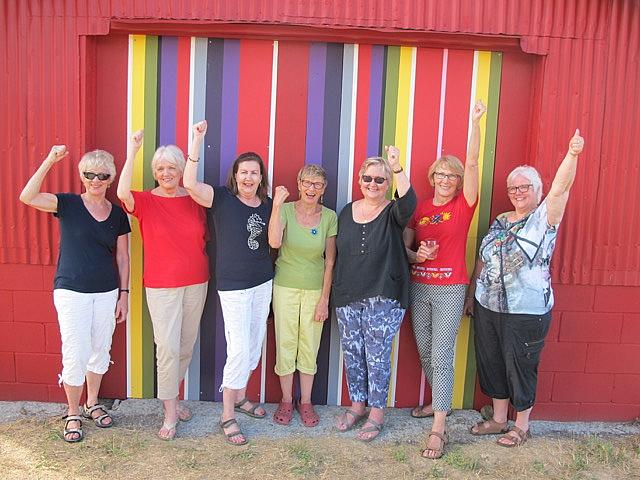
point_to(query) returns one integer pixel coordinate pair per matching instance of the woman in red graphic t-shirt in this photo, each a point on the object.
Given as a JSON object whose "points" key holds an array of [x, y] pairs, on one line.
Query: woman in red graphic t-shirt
{"points": [[436, 240]]}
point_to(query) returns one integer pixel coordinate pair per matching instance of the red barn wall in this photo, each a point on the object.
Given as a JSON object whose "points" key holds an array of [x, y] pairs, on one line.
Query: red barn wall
{"points": [[588, 76]]}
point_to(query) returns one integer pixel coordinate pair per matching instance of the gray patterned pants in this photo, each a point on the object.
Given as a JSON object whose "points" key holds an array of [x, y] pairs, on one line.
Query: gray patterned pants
{"points": [[367, 328], [435, 314]]}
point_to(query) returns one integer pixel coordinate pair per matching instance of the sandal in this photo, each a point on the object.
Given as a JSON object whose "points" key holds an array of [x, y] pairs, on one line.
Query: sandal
{"points": [[99, 420], [70, 431], [516, 440], [355, 419], [229, 436], [184, 413], [284, 413], [439, 452], [170, 428], [374, 427], [419, 412], [248, 411], [308, 415], [489, 427]]}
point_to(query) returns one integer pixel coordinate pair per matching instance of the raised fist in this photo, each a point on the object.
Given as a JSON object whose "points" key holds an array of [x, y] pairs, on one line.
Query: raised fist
{"points": [[576, 144], [280, 195], [200, 128], [478, 111], [57, 153], [393, 155], [136, 139]]}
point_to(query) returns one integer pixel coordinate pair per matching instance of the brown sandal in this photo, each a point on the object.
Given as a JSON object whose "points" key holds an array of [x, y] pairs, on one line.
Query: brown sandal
{"points": [[489, 427], [516, 440], [308, 415], [444, 437], [284, 413]]}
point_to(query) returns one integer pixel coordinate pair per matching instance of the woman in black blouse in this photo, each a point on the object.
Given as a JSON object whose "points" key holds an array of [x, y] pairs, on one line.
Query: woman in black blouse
{"points": [[370, 287]]}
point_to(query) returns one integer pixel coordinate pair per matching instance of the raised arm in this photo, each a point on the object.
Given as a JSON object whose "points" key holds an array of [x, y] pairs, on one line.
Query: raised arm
{"points": [[415, 256], [566, 174], [276, 229], [31, 194], [322, 308], [471, 173], [200, 192], [122, 260], [402, 181], [126, 175]]}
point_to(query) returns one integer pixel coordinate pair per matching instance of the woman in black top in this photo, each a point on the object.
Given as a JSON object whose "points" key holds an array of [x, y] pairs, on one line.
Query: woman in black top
{"points": [[370, 287], [92, 278]]}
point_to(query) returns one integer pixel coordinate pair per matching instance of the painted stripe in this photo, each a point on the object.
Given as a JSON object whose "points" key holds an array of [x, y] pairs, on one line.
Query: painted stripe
{"points": [[443, 96], [363, 114], [376, 100], [316, 101], [390, 103], [183, 73], [272, 111], [229, 113], [168, 65]]}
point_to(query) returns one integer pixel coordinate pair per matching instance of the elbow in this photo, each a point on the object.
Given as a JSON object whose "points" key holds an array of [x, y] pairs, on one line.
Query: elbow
{"points": [[24, 198], [275, 244]]}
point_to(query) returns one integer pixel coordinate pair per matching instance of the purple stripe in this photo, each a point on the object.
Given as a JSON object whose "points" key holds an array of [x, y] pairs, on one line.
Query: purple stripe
{"points": [[374, 132], [229, 117], [168, 60], [315, 102]]}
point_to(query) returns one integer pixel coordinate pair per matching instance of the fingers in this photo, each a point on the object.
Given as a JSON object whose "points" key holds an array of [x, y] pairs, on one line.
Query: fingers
{"points": [[577, 134], [58, 152], [200, 128], [137, 137]]}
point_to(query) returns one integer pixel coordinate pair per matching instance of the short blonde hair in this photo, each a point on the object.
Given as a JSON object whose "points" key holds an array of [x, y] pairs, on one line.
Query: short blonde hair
{"points": [[97, 160], [374, 161], [171, 154], [313, 170], [451, 162]]}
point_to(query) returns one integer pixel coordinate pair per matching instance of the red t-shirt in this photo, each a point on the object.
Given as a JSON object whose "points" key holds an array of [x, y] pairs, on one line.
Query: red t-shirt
{"points": [[174, 232], [448, 224]]}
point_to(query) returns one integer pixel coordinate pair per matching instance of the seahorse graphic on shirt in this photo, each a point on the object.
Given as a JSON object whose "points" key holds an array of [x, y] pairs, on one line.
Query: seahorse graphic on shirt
{"points": [[254, 227]]}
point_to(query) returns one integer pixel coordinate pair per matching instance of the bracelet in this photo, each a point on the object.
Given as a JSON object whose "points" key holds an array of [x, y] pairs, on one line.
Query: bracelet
{"points": [[398, 171], [124, 290], [192, 160]]}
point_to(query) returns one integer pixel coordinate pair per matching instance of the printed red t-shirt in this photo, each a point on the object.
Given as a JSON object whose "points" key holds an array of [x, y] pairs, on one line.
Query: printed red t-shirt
{"points": [[448, 224], [174, 232]]}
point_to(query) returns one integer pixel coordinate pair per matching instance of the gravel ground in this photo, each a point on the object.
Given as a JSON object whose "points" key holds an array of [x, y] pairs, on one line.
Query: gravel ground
{"points": [[146, 414]]}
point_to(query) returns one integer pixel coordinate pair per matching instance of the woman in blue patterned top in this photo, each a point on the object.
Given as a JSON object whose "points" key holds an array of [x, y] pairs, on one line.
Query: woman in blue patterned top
{"points": [[513, 294]]}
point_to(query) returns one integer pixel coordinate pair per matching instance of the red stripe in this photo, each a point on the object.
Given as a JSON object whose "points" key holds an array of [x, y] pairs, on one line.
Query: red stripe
{"points": [[254, 97], [457, 97], [291, 113], [409, 370], [362, 115], [273, 393], [182, 93], [344, 399], [425, 118]]}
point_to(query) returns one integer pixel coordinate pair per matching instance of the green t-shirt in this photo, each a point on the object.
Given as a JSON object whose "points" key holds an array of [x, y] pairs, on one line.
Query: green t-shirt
{"points": [[300, 261]]}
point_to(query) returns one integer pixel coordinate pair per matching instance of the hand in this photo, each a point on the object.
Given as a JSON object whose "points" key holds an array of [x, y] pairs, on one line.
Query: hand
{"points": [[199, 129], [57, 153], [122, 308], [576, 144], [322, 310], [478, 111], [468, 306], [422, 253], [135, 142], [393, 156], [280, 195]]}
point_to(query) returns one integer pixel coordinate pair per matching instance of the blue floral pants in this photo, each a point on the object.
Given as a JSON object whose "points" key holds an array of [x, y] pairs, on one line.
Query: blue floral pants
{"points": [[367, 328]]}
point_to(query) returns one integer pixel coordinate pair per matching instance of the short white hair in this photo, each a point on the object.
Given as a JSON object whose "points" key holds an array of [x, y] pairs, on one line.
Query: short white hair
{"points": [[171, 154], [97, 160], [530, 174]]}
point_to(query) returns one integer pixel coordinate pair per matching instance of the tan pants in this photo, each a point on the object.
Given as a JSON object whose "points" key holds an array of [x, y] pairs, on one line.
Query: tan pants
{"points": [[175, 314]]}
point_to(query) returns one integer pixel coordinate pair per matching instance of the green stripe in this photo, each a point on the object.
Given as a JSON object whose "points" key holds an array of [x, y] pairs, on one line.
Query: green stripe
{"points": [[390, 101], [484, 208], [150, 139]]}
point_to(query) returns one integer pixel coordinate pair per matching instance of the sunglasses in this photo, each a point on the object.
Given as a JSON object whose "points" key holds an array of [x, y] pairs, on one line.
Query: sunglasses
{"points": [[369, 179], [101, 176]]}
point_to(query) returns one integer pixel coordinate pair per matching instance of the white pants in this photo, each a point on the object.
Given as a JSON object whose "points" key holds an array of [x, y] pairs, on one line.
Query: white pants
{"points": [[87, 322], [175, 315], [245, 315]]}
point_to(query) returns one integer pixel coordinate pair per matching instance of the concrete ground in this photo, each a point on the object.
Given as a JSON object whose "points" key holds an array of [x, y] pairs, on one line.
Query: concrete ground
{"points": [[399, 426]]}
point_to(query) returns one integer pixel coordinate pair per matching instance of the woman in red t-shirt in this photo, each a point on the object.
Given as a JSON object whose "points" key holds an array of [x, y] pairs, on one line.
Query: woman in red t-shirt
{"points": [[436, 240], [176, 266]]}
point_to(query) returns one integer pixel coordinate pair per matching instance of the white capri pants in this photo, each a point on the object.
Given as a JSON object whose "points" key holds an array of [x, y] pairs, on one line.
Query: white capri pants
{"points": [[245, 315], [87, 322]]}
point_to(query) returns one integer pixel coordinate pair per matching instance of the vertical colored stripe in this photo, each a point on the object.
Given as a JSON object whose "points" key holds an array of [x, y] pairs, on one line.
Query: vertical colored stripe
{"points": [[376, 99], [392, 67], [315, 102], [229, 113], [168, 64], [182, 132]]}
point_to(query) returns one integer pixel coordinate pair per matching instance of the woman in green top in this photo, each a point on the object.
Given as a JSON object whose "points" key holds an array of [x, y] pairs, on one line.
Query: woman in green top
{"points": [[305, 232]]}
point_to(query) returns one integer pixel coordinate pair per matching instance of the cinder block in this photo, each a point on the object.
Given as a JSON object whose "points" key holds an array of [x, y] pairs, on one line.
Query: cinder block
{"points": [[6, 306], [608, 412], [34, 307], [582, 387], [610, 358], [563, 357], [631, 328], [626, 389], [617, 299], [23, 391], [22, 276], [591, 327], [7, 368], [52, 338], [555, 411], [42, 368], [578, 298], [21, 337], [545, 386]]}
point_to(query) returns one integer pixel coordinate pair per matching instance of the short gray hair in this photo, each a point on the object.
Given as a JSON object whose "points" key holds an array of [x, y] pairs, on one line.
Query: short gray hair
{"points": [[96, 160], [372, 161], [530, 174], [171, 154]]}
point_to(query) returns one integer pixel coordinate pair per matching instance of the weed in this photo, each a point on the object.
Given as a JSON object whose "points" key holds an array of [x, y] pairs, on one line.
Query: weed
{"points": [[436, 472], [189, 461], [113, 446], [399, 454], [306, 463], [539, 467], [457, 459], [243, 455]]}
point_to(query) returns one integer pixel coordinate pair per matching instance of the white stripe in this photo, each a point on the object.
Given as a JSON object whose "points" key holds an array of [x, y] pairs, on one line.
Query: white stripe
{"points": [[356, 50], [394, 363], [129, 126], [472, 96], [443, 91], [340, 373], [422, 385], [412, 92], [272, 114], [263, 369]]}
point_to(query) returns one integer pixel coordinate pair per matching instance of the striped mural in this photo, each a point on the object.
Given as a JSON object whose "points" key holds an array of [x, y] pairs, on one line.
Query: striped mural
{"points": [[296, 103]]}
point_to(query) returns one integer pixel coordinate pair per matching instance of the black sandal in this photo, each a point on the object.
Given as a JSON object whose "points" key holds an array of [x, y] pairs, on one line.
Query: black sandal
{"points": [[88, 411], [67, 431]]}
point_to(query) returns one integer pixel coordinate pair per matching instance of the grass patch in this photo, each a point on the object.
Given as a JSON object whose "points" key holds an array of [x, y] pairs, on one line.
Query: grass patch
{"points": [[459, 460], [596, 451], [399, 454], [307, 463], [436, 472]]}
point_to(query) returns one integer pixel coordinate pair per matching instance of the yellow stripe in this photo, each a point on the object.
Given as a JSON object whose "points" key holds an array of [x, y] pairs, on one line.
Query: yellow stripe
{"points": [[481, 92], [138, 46]]}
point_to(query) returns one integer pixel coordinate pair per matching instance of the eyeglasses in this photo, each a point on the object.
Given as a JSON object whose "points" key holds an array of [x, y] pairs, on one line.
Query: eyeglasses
{"points": [[309, 184], [441, 176], [519, 188], [369, 179], [101, 176]]}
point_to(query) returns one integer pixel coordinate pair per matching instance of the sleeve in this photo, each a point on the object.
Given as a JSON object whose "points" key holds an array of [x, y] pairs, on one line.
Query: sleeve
{"points": [[139, 199], [219, 195], [125, 227], [284, 214], [62, 204], [332, 229], [404, 207], [412, 220]]}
